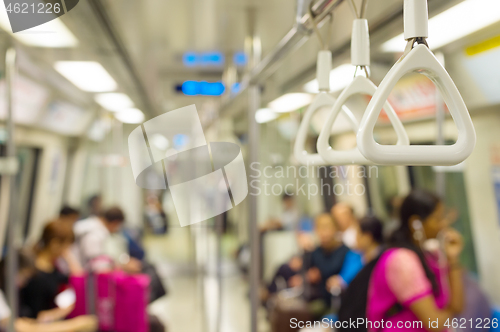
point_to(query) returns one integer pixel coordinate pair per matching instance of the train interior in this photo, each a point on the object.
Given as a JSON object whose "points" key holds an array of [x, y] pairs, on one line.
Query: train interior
{"points": [[82, 84]]}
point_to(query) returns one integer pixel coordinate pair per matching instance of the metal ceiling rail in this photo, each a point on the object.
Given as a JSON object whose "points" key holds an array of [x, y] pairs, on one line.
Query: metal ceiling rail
{"points": [[297, 36], [106, 23]]}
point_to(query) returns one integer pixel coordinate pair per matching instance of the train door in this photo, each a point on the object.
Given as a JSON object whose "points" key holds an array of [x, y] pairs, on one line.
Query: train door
{"points": [[26, 180], [25, 183]]}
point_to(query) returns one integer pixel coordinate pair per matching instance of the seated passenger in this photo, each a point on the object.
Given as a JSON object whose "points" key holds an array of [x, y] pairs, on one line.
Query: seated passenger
{"points": [[343, 214], [331, 258], [102, 247], [99, 244], [284, 276], [94, 206], [69, 215], [418, 279], [26, 269], [37, 298], [369, 240], [289, 217]]}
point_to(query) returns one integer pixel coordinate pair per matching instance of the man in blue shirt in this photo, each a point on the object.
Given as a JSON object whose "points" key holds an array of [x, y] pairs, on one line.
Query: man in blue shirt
{"points": [[331, 258]]}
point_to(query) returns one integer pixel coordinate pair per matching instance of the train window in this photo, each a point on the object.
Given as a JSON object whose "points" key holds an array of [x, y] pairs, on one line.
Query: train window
{"points": [[455, 196]]}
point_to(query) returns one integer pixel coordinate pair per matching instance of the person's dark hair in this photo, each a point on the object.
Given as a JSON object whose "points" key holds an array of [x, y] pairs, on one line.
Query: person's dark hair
{"points": [[25, 261], [353, 212], [55, 230], [286, 197], [92, 200], [114, 214], [419, 203], [68, 211], [373, 226]]}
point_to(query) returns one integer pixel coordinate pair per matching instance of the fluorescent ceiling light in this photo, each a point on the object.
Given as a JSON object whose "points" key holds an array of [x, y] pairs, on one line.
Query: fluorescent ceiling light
{"points": [[87, 75], [457, 22], [114, 101], [132, 115], [290, 102], [265, 115], [340, 77], [160, 142], [51, 34]]}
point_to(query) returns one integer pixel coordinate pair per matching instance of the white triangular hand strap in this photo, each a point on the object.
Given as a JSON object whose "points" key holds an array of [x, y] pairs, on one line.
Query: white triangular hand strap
{"points": [[303, 157], [421, 60], [360, 85]]}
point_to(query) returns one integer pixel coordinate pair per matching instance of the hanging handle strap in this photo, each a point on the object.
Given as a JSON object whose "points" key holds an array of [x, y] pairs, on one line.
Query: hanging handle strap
{"points": [[421, 60], [359, 86], [303, 157]]}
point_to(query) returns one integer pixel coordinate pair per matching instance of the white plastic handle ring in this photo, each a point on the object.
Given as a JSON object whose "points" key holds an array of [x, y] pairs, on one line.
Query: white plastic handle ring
{"points": [[364, 86], [323, 99], [420, 59]]}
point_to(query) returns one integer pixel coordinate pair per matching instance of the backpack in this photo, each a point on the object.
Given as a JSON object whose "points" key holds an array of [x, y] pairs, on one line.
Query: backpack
{"points": [[354, 299]]}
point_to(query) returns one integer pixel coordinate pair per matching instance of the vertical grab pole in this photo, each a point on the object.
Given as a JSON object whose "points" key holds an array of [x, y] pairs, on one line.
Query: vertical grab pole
{"points": [[253, 139], [219, 225], [253, 156], [11, 272]]}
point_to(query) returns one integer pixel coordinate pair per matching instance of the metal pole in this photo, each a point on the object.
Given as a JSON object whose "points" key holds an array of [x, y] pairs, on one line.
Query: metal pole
{"points": [[253, 147], [296, 37], [11, 272], [253, 156], [292, 40], [219, 225]]}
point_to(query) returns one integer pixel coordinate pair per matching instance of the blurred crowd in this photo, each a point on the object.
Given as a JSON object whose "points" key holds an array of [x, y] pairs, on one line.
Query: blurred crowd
{"points": [[388, 274], [401, 274], [57, 277]]}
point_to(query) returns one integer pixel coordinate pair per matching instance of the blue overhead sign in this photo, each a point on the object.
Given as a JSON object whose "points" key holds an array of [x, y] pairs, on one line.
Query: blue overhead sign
{"points": [[202, 88], [240, 59], [205, 59], [212, 59]]}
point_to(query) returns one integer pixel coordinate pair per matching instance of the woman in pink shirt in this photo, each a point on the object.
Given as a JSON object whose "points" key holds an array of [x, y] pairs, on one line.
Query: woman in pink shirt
{"points": [[413, 288]]}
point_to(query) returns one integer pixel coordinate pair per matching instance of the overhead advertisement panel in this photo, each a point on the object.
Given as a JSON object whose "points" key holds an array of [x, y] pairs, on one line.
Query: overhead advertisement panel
{"points": [[65, 118], [413, 98], [29, 100]]}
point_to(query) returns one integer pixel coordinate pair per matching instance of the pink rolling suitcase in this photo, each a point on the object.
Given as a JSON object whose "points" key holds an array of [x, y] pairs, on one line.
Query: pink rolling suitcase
{"points": [[132, 298], [120, 300], [79, 284]]}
